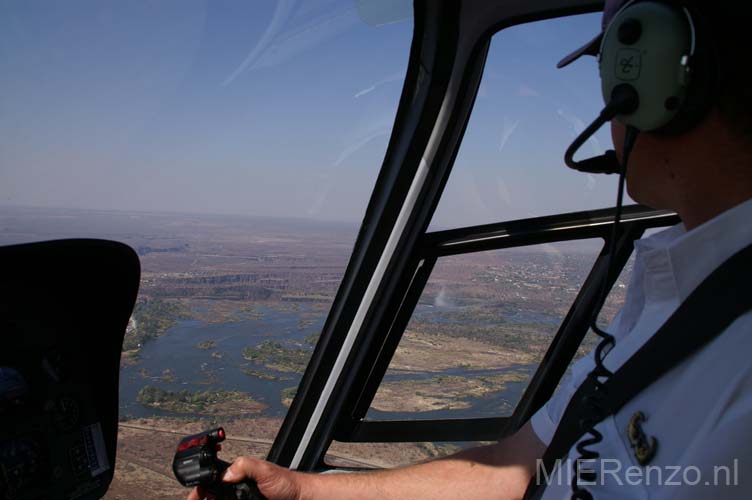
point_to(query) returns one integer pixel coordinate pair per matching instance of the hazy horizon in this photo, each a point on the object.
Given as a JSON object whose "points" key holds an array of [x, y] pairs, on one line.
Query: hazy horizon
{"points": [[272, 109]]}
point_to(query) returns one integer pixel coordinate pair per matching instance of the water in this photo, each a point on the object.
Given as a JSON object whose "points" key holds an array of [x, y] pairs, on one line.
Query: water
{"points": [[499, 403], [195, 369]]}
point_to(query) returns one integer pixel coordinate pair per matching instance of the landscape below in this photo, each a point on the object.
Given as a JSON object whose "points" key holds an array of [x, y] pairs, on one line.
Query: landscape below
{"points": [[230, 309]]}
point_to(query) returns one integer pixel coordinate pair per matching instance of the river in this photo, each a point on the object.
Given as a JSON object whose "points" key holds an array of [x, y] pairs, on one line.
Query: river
{"points": [[195, 369]]}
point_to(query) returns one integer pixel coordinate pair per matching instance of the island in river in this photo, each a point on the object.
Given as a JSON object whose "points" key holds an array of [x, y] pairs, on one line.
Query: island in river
{"points": [[230, 308]]}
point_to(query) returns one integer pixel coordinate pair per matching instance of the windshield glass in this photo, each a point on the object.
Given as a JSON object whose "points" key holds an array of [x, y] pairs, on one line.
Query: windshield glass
{"points": [[234, 146], [527, 112]]}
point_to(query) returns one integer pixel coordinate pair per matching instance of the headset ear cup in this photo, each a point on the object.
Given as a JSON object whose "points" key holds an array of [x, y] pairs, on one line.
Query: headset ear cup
{"points": [[703, 82], [650, 45]]}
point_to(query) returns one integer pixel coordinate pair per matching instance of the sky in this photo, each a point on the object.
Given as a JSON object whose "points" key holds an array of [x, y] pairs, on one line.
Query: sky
{"points": [[272, 108]]}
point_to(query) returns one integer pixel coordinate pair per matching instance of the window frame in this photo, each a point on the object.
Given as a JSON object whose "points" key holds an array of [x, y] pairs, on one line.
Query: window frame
{"points": [[394, 255], [636, 219]]}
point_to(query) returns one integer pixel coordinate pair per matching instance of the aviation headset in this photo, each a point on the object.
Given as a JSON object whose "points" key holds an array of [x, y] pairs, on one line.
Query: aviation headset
{"points": [[659, 50], [657, 73]]}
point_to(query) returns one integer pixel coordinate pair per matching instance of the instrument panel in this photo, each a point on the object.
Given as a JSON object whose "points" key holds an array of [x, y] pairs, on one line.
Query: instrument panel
{"points": [[64, 307]]}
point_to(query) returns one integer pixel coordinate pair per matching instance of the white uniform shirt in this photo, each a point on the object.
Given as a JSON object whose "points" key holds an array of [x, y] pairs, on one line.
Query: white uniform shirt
{"points": [[700, 412]]}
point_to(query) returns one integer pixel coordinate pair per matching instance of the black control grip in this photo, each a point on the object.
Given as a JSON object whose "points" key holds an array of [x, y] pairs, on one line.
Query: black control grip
{"points": [[244, 490]]}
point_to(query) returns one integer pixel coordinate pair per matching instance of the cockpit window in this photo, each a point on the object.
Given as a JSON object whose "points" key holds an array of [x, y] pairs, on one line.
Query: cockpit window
{"points": [[480, 330], [275, 109], [510, 164], [234, 146], [485, 319]]}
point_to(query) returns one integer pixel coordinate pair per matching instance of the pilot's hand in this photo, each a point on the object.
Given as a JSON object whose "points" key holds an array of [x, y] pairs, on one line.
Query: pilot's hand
{"points": [[274, 482]]}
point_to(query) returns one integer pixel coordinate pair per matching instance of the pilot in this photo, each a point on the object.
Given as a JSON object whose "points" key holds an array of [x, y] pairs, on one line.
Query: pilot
{"points": [[688, 434]]}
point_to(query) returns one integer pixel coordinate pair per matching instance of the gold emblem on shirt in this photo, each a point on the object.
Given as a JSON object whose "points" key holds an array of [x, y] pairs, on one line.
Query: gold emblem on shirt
{"points": [[644, 447]]}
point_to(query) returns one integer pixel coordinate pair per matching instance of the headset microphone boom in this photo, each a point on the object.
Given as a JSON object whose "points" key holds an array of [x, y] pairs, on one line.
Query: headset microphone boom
{"points": [[656, 76]]}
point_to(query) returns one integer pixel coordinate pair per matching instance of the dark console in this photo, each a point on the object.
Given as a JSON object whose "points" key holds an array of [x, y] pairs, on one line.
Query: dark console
{"points": [[64, 308]]}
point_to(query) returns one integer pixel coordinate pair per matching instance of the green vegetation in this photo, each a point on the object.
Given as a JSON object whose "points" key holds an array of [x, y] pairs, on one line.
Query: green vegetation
{"points": [[529, 338], [264, 375], [206, 402], [474, 387], [249, 312], [305, 323], [288, 395], [277, 357], [306, 297], [153, 318], [166, 376], [207, 344], [441, 392], [220, 311], [208, 290], [312, 339], [497, 382]]}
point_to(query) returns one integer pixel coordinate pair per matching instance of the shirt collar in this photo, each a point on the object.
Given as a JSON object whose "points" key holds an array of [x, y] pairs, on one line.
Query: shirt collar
{"points": [[685, 258]]}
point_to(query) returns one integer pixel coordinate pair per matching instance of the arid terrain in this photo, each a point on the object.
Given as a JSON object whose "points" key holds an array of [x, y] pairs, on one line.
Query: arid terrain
{"points": [[230, 308], [146, 447]]}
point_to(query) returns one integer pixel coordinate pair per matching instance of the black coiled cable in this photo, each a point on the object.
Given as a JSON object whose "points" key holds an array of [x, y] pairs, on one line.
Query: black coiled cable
{"points": [[600, 374]]}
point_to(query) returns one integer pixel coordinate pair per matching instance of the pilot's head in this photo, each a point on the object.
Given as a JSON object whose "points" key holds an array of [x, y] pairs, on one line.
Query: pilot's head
{"points": [[699, 152]]}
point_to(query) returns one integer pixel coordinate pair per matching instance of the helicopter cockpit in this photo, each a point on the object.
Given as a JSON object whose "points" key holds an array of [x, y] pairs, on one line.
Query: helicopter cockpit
{"points": [[443, 311]]}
